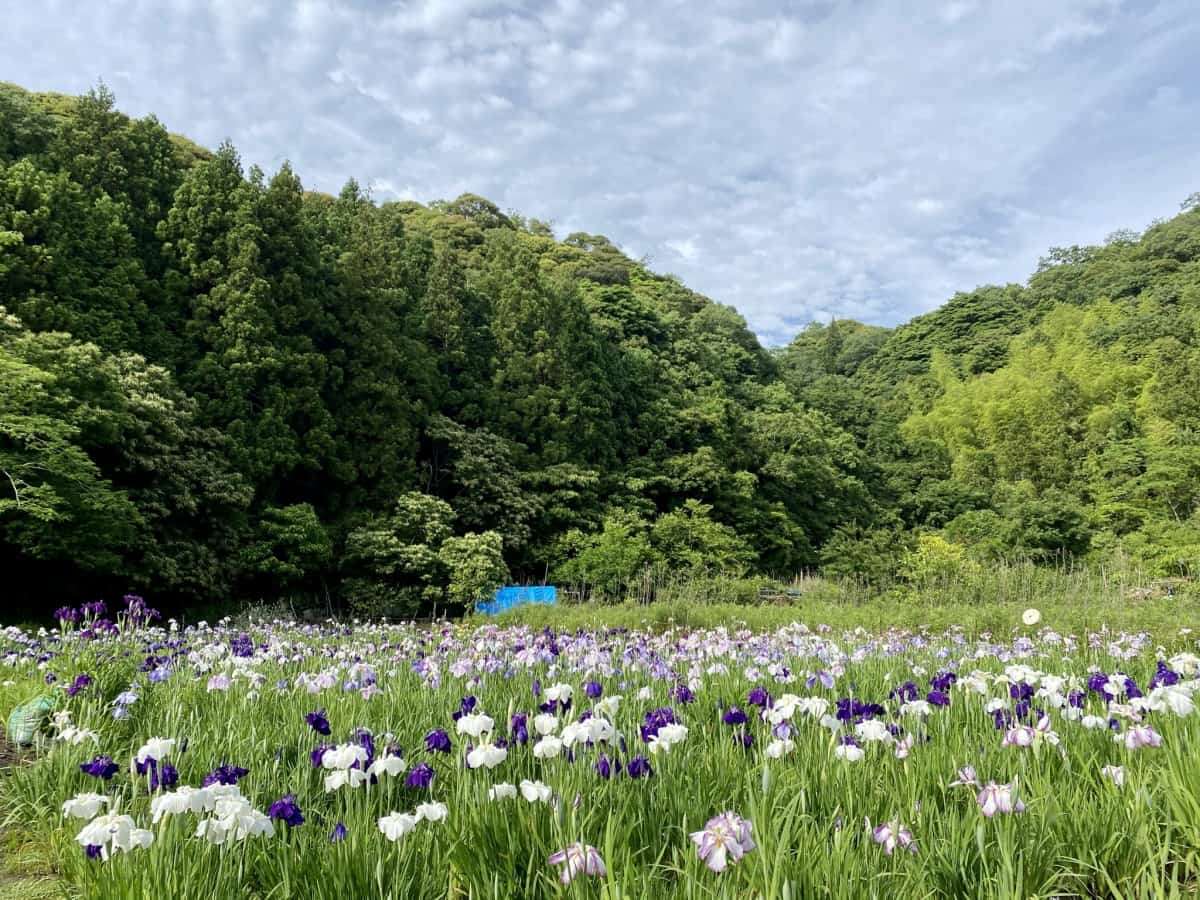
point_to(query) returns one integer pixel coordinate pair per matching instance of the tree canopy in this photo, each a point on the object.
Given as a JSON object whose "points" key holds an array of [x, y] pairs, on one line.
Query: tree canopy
{"points": [[218, 385]]}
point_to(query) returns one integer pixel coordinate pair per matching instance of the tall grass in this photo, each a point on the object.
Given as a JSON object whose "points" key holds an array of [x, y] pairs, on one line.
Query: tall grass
{"points": [[1072, 596]]}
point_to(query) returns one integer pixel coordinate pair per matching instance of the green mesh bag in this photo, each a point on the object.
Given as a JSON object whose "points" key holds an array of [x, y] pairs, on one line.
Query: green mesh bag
{"points": [[26, 719]]}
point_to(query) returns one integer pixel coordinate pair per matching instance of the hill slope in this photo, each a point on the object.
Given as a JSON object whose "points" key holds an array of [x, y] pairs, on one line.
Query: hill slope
{"points": [[221, 385]]}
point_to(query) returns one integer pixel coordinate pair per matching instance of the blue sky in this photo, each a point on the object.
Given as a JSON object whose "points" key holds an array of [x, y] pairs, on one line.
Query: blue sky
{"points": [[797, 160]]}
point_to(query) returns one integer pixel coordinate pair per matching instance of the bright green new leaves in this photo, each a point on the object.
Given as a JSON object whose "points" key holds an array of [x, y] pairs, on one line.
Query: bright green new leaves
{"points": [[1067, 437], [105, 470], [55, 504], [399, 564], [475, 566]]}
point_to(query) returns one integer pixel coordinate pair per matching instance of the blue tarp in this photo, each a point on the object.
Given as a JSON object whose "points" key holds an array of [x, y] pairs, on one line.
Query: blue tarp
{"points": [[515, 595]]}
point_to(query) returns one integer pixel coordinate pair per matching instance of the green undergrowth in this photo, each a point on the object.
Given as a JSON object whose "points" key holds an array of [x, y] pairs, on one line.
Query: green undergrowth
{"points": [[977, 598], [1162, 618]]}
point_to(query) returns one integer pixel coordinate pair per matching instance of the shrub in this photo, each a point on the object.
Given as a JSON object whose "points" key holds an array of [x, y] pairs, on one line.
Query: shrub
{"points": [[870, 554], [608, 560], [475, 566], [936, 560]]}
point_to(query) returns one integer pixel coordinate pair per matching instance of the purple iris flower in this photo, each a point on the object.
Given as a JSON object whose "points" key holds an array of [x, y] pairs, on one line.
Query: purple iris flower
{"points": [[822, 676], [466, 706], [67, 614], [165, 777], [94, 610], [683, 694], [1020, 691], [78, 684], [138, 612], [759, 697], [338, 834], [606, 768], [937, 698], [366, 740], [224, 774], [518, 726], [1076, 699], [285, 810], [420, 777], [437, 741], [593, 689], [318, 752], [100, 767], [318, 722], [905, 692], [1163, 676], [93, 851], [734, 716], [656, 719], [743, 738], [942, 681], [639, 767], [854, 711], [242, 645]]}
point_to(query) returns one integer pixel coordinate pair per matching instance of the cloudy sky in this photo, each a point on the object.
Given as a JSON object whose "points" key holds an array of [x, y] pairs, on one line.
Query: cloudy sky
{"points": [[797, 159]]}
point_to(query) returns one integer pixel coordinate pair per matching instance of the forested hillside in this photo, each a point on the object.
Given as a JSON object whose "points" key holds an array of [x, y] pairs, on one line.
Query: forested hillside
{"points": [[218, 386], [1058, 417]]}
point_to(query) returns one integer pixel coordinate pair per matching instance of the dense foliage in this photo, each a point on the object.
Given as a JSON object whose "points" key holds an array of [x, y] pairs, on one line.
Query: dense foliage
{"points": [[217, 385], [1059, 417]]}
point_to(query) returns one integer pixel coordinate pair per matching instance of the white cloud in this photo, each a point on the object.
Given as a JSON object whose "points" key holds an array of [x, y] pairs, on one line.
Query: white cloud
{"points": [[796, 160], [686, 249], [953, 12]]}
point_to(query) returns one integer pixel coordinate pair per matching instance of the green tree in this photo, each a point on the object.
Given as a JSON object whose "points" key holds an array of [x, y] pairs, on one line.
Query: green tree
{"points": [[290, 550], [392, 562], [475, 566], [67, 261], [378, 378], [688, 539], [248, 256], [56, 506], [109, 436], [609, 560], [25, 128]]}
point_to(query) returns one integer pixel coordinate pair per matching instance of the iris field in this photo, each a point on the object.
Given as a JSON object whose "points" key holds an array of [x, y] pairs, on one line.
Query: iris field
{"points": [[276, 759]]}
